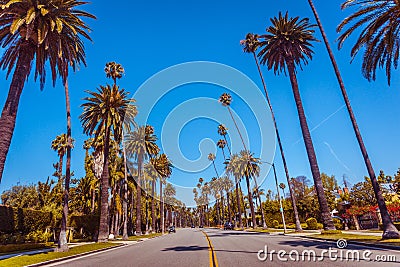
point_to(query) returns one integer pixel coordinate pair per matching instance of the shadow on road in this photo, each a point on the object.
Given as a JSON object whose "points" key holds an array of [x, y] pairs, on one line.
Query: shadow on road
{"points": [[185, 248]]}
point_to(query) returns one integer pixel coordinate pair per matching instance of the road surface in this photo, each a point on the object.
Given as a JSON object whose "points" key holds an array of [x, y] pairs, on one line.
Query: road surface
{"points": [[213, 247]]}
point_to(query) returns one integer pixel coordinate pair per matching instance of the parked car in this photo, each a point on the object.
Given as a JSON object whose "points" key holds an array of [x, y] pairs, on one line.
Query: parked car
{"points": [[228, 226], [192, 225], [171, 229], [201, 226]]}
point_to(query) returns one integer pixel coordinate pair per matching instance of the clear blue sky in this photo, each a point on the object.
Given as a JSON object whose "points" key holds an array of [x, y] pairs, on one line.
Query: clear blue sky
{"points": [[148, 37]]}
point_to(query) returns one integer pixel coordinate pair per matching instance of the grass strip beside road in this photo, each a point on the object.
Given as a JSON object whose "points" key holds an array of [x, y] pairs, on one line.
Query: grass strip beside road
{"points": [[370, 239], [213, 256], [139, 238], [37, 258]]}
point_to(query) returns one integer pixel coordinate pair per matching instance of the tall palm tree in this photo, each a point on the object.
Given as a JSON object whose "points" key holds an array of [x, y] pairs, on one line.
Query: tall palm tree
{"points": [[106, 112], [47, 32], [382, 12], [287, 44], [164, 168], [250, 45], [211, 157], [115, 71], [227, 185], [140, 144], [60, 145], [223, 131], [249, 166], [378, 21], [153, 175], [221, 144], [232, 168]]}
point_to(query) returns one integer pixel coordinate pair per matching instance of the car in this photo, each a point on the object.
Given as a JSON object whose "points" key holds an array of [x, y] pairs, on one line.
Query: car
{"points": [[201, 226], [171, 229], [228, 226]]}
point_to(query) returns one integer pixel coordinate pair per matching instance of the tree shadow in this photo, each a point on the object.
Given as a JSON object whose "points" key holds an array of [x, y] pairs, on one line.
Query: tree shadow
{"points": [[185, 248]]}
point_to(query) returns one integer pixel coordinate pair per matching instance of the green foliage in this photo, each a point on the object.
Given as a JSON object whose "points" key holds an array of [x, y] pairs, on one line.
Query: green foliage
{"points": [[85, 225], [23, 220], [338, 224], [38, 236], [312, 224], [275, 224], [11, 239]]}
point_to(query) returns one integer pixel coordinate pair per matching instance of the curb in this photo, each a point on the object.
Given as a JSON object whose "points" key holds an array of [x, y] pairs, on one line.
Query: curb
{"points": [[353, 243], [73, 256]]}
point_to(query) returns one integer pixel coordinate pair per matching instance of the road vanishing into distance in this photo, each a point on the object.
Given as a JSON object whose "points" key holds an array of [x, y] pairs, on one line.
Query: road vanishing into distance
{"points": [[213, 247]]}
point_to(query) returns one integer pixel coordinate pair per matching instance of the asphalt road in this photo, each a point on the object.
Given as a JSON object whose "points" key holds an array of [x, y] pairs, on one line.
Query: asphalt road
{"points": [[213, 247]]}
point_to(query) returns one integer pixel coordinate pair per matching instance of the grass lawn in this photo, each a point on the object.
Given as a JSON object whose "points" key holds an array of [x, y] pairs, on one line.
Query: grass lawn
{"points": [[32, 259], [260, 230], [137, 238], [362, 238]]}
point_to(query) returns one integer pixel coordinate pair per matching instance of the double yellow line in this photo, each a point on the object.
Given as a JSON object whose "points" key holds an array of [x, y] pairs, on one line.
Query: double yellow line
{"points": [[213, 257]]}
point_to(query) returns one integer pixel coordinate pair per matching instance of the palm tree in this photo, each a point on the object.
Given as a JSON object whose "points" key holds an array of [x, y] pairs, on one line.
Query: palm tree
{"points": [[372, 55], [140, 144], [227, 185], [115, 71], [287, 44], [49, 32], [60, 145], [153, 175], [211, 157], [378, 21], [223, 131], [164, 168], [225, 99], [106, 112], [250, 45], [232, 168], [221, 144], [282, 186]]}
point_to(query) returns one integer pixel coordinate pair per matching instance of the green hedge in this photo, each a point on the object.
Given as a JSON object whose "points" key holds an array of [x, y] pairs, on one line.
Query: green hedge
{"points": [[396, 224], [14, 220], [21, 247], [86, 226]]}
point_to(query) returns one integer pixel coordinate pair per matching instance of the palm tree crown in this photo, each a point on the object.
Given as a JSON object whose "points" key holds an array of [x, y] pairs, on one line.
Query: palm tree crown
{"points": [[251, 43], [225, 99], [44, 30], [222, 130], [114, 71], [379, 21], [287, 39]]}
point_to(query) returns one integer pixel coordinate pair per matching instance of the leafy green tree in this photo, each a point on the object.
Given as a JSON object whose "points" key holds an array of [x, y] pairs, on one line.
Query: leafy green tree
{"points": [[287, 44], [104, 112], [330, 187], [47, 32]]}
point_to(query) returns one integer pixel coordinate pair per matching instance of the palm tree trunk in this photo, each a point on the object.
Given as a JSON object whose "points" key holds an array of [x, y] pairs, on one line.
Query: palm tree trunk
{"points": [[227, 145], [153, 211], [238, 204], [125, 198], [291, 190], [62, 240], [139, 199], [105, 176], [237, 128], [253, 216], [389, 230], [325, 214], [9, 113], [259, 200], [229, 207], [215, 169], [161, 208], [222, 207]]}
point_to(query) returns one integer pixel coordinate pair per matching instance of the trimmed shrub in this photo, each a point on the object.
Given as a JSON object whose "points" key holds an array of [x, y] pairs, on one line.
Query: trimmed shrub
{"points": [[303, 226], [320, 226], [38, 236], [338, 224], [275, 224], [86, 226], [6, 219], [312, 224], [14, 220]]}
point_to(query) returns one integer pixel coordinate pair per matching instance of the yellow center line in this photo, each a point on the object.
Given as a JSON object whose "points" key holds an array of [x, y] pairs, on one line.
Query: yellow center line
{"points": [[213, 256]]}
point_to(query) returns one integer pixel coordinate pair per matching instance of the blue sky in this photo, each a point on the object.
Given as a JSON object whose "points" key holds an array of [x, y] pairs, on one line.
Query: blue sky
{"points": [[148, 37]]}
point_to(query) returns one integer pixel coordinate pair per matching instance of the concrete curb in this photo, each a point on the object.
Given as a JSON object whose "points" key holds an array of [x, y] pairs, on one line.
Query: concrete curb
{"points": [[73, 256]]}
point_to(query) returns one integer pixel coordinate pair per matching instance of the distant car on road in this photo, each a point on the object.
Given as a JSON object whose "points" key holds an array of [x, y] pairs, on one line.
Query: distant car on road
{"points": [[171, 229], [228, 226], [201, 226]]}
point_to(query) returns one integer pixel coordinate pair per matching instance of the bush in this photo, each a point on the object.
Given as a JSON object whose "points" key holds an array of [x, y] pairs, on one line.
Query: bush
{"points": [[320, 226], [338, 224], [20, 247], [396, 224], [312, 224], [38, 236], [331, 232], [303, 226], [86, 226], [275, 224]]}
